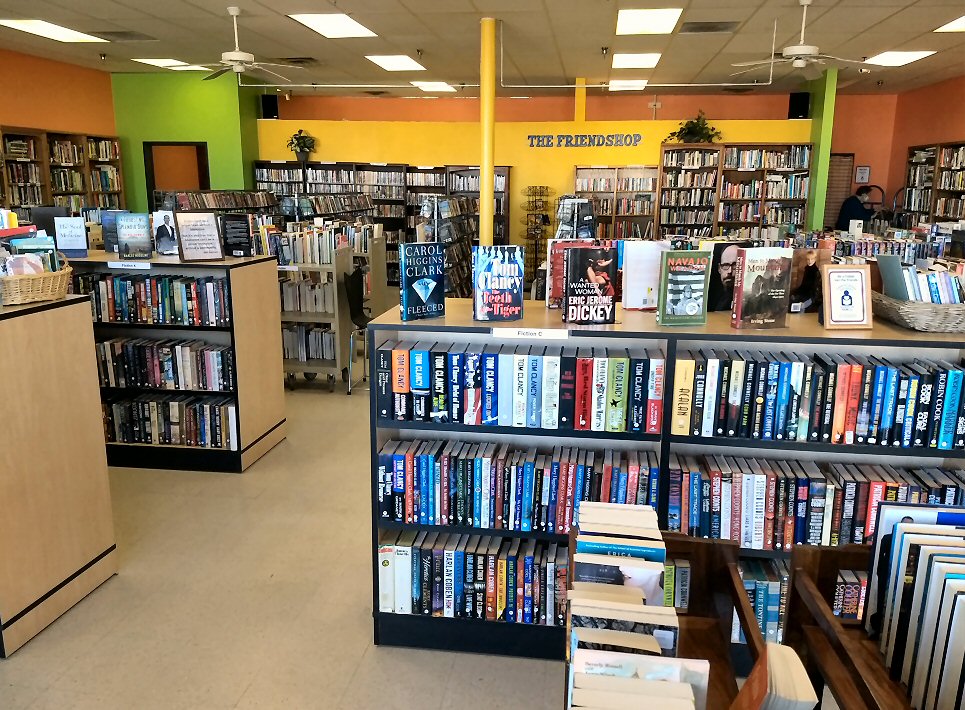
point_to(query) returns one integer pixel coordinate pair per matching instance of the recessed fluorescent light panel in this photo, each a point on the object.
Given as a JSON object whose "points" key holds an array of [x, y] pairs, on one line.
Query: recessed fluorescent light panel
{"points": [[953, 26], [333, 25], [163, 63], [49, 30], [395, 62], [438, 86], [627, 84], [897, 59], [190, 67], [648, 22], [636, 61]]}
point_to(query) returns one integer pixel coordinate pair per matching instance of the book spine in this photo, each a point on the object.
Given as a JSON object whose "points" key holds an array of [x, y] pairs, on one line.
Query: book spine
{"points": [[865, 403], [520, 363], [715, 502], [683, 390], [551, 392], [598, 394], [584, 393], [747, 399], [699, 389], [455, 386], [923, 410], [723, 390], [801, 511], [937, 409], [637, 400], [490, 389], [710, 397], [534, 390], [878, 419], [770, 401], [655, 385], [567, 392], [616, 400], [770, 512], [950, 412], [738, 304], [804, 409], [783, 400], [794, 404]]}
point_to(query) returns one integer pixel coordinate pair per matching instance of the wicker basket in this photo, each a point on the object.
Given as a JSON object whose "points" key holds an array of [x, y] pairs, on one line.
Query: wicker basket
{"points": [[31, 288], [926, 317]]}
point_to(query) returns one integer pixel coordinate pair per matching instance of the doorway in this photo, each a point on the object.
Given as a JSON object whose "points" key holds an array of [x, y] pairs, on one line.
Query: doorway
{"points": [[175, 166], [840, 171]]}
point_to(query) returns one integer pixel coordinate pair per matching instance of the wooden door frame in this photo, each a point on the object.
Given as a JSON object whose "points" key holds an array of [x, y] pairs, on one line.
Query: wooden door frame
{"points": [[204, 177]]}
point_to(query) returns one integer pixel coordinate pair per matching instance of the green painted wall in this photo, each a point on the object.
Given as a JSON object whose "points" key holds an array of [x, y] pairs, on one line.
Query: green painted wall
{"points": [[179, 106], [823, 91]]}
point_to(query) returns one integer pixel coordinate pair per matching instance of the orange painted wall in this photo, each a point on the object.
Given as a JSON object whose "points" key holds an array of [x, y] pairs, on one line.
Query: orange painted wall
{"points": [[682, 106], [347, 108], [176, 167], [864, 124], [41, 93], [931, 114]]}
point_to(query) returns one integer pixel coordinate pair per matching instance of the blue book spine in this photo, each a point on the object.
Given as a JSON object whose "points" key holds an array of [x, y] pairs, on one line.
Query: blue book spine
{"points": [[455, 366], [936, 294], [458, 581], [953, 397], [554, 489], [490, 379], [889, 402], [477, 492], [504, 390], [422, 463], [420, 373], [529, 471], [760, 605], [654, 485], [878, 388], [908, 425], [528, 590], [534, 391], [590, 546], [674, 502], [578, 489], [783, 397], [622, 487], [615, 484], [398, 487], [694, 500], [770, 400]]}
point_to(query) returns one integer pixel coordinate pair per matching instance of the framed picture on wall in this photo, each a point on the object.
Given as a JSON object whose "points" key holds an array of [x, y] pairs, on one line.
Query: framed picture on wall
{"points": [[862, 174], [847, 295]]}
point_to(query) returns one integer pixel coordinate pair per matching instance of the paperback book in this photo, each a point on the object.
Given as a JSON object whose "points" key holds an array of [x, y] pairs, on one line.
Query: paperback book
{"points": [[762, 288], [682, 298], [641, 273], [497, 280], [422, 273], [134, 236], [590, 295]]}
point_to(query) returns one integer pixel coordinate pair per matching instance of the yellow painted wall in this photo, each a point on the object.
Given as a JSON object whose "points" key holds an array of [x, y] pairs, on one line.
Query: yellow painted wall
{"points": [[449, 143]]}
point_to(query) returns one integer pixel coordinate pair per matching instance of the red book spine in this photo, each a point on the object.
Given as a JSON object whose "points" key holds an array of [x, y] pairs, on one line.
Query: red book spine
{"points": [[196, 305], [876, 494], [584, 385], [851, 411], [736, 504], [738, 310], [655, 398], [633, 480], [409, 490], [605, 482], [770, 511], [444, 490]]}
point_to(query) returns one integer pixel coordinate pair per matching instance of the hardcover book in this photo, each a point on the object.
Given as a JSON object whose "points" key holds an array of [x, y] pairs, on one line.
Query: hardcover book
{"points": [[497, 283], [682, 298], [422, 280], [590, 294], [762, 288], [134, 236], [641, 273]]}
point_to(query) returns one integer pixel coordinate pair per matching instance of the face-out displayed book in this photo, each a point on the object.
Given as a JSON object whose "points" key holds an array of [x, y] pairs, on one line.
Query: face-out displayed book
{"points": [[641, 273], [422, 275], [134, 236], [682, 298], [497, 283], [762, 288], [556, 267], [109, 229], [589, 288]]}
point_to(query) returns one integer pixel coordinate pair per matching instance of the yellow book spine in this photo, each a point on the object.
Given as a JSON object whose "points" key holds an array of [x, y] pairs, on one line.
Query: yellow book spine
{"points": [[683, 390]]}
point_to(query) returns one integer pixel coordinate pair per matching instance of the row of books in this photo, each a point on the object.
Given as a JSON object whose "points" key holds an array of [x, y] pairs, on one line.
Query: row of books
{"points": [[953, 158], [281, 189], [306, 294], [909, 250], [224, 199], [850, 592], [921, 175], [286, 174], [103, 149], [62, 180], [172, 420], [112, 202], [66, 153], [827, 398], [908, 283], [739, 212], [625, 229], [500, 487], [683, 216], [773, 505], [690, 180], [794, 186], [461, 182], [795, 157], [158, 299], [308, 342], [689, 198], [20, 148], [310, 244], [595, 184], [766, 583], [72, 203], [105, 178], [952, 179], [749, 190], [636, 205], [335, 204], [691, 158], [342, 176], [918, 199], [379, 177], [383, 192], [472, 577], [165, 364], [633, 184], [26, 195], [23, 173], [950, 207], [383, 210], [415, 179], [784, 215], [552, 387]]}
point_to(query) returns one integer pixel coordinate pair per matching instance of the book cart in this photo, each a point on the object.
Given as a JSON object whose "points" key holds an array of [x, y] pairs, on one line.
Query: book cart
{"points": [[540, 326], [254, 336]]}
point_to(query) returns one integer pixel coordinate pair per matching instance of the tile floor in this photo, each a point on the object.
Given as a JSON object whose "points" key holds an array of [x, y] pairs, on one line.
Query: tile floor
{"points": [[254, 591]]}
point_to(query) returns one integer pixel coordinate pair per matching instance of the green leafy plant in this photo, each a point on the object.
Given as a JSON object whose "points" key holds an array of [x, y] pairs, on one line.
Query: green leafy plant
{"points": [[301, 142], [696, 130]]}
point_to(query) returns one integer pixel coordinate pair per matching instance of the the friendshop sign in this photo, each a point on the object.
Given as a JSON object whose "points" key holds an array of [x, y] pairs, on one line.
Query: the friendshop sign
{"points": [[585, 140]]}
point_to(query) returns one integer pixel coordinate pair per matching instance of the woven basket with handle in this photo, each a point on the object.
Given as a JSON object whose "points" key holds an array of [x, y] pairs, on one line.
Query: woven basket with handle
{"points": [[926, 317], [31, 288]]}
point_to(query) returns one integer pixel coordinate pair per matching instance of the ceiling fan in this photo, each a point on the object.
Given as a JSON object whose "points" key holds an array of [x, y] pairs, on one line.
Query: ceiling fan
{"points": [[800, 56], [243, 62]]}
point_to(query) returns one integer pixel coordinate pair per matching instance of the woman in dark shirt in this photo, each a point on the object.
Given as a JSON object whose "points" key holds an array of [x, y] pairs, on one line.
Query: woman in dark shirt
{"points": [[854, 208]]}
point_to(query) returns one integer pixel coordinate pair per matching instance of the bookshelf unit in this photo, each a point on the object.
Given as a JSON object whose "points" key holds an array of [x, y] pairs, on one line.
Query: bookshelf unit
{"points": [[57, 532], [919, 181], [598, 183], [949, 184], [421, 182], [687, 198], [803, 336], [252, 337], [623, 198], [25, 168], [463, 181]]}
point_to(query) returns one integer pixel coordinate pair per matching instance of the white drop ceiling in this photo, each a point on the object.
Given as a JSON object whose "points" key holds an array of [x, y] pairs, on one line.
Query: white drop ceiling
{"points": [[546, 41]]}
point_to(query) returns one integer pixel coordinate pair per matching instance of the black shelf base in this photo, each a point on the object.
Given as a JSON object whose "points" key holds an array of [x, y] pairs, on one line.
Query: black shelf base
{"points": [[470, 636], [174, 458]]}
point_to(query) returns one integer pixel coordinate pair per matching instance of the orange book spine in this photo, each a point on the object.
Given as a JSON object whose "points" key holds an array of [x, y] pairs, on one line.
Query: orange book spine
{"points": [[491, 587], [854, 398]]}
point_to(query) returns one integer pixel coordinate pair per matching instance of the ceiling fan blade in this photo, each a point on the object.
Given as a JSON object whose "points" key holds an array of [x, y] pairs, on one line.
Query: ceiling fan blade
{"points": [[261, 68], [745, 71], [840, 59], [812, 72], [756, 62], [216, 74], [285, 66]]}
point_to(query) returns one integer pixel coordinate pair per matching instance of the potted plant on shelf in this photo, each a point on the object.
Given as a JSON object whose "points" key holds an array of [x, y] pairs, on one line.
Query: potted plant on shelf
{"points": [[301, 144], [696, 130]]}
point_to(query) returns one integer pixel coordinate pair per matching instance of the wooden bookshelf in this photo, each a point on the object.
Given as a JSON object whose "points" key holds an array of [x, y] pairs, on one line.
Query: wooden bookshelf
{"points": [[463, 181], [57, 531], [949, 184], [687, 195], [624, 198], [919, 195], [254, 335]]}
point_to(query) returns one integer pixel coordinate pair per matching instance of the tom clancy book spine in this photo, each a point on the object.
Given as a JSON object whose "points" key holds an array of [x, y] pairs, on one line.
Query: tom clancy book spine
{"points": [[383, 381], [401, 395], [440, 405], [490, 387], [637, 415], [420, 382], [455, 365]]}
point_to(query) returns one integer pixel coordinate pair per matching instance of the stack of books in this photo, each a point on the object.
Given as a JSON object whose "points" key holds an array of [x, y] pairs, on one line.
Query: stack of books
{"points": [[908, 283]]}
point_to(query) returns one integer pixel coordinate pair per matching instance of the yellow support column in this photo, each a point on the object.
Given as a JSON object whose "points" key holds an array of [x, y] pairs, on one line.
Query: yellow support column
{"points": [[487, 124], [579, 103]]}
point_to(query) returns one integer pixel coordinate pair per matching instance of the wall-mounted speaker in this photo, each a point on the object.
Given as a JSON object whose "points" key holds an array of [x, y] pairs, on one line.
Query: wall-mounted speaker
{"points": [[269, 105], [798, 105]]}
